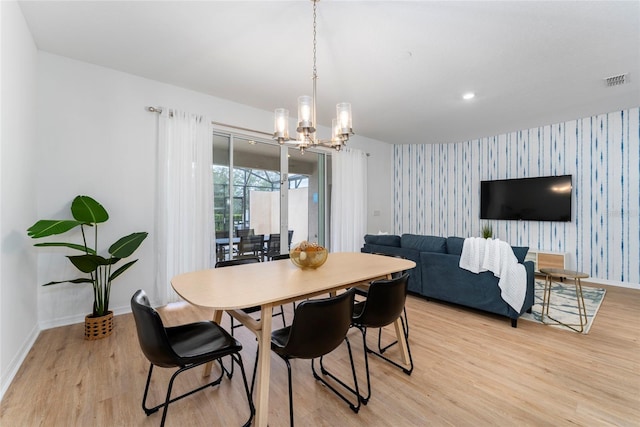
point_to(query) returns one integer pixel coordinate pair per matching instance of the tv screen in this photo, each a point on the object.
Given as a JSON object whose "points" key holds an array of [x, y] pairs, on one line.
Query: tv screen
{"points": [[546, 198]]}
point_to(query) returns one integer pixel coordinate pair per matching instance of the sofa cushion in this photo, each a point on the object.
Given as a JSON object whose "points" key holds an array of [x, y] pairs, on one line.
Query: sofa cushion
{"points": [[382, 239], [520, 252], [454, 245], [424, 243]]}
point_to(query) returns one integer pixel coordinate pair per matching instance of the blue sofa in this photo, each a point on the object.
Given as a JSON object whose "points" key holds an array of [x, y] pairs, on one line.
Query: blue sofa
{"points": [[438, 276]]}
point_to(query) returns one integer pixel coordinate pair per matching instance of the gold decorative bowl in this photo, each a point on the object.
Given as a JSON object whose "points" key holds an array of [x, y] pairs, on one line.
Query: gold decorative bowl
{"points": [[308, 255]]}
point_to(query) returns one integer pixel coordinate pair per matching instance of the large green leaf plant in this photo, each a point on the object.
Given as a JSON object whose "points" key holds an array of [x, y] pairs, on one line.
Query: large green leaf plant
{"points": [[88, 213]]}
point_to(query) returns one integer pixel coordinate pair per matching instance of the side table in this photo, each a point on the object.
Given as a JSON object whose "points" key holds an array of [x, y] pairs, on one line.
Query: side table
{"points": [[559, 273]]}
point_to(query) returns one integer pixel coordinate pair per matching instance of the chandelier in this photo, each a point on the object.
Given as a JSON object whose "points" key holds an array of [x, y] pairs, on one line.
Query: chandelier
{"points": [[306, 131]]}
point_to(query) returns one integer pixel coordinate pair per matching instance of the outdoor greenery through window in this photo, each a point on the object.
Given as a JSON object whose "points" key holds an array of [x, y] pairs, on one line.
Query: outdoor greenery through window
{"points": [[244, 182]]}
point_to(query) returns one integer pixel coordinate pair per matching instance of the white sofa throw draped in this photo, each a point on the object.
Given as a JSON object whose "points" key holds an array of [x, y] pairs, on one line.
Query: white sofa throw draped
{"points": [[348, 200], [184, 215]]}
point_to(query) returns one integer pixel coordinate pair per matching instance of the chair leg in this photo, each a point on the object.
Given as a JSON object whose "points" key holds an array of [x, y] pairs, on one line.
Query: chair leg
{"points": [[146, 391], [405, 329], [354, 390], [290, 383], [290, 391], [364, 399], [238, 359], [230, 371], [404, 369], [168, 399]]}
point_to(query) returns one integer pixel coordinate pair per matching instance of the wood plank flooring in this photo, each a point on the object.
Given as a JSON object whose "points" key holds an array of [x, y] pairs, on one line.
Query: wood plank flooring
{"points": [[471, 368]]}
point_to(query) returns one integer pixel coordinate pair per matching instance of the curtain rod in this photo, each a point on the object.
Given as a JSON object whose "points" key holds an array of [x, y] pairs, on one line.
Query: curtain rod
{"points": [[159, 111]]}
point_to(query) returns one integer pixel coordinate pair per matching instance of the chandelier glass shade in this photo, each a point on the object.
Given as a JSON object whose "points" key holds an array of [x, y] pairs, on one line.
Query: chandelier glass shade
{"points": [[341, 126]]}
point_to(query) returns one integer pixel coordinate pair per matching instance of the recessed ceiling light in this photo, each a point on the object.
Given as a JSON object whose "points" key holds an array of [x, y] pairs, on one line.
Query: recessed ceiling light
{"points": [[469, 95]]}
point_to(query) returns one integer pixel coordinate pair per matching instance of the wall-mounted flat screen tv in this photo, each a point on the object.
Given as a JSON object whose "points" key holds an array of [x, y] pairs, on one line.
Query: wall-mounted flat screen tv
{"points": [[546, 198]]}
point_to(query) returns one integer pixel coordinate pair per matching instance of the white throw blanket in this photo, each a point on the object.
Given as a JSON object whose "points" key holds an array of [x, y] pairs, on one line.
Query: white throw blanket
{"points": [[494, 255]]}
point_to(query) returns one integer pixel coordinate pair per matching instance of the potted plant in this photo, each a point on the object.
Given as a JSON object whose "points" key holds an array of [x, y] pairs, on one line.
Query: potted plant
{"points": [[487, 231], [87, 214]]}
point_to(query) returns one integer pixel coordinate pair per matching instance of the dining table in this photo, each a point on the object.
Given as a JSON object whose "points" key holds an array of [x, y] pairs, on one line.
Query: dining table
{"points": [[273, 283]]}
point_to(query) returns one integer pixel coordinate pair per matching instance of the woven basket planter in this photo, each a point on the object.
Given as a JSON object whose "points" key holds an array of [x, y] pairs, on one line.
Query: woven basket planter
{"points": [[96, 328]]}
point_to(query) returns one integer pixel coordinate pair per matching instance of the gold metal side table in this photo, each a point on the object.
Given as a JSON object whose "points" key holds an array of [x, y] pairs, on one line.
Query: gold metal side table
{"points": [[559, 273]]}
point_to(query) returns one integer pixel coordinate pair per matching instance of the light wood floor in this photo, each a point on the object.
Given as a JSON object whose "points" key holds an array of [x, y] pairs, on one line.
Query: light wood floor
{"points": [[471, 368]]}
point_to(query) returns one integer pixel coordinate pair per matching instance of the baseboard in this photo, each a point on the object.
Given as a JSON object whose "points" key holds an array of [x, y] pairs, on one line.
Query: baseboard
{"points": [[18, 360], [78, 318]]}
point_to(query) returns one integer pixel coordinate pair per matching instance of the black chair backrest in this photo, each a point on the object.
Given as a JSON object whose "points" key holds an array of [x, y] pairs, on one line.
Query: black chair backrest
{"points": [[273, 244], [151, 333], [279, 257], [237, 261], [253, 243], [244, 232], [319, 326], [384, 303]]}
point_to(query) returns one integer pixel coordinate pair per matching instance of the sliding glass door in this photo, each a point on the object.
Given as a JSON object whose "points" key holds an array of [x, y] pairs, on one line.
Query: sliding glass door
{"points": [[262, 188]]}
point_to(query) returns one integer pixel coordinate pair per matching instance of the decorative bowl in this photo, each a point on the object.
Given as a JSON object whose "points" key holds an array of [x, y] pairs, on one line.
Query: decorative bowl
{"points": [[308, 255]]}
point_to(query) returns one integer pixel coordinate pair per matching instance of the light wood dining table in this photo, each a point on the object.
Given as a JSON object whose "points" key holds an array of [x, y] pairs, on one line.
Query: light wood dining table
{"points": [[274, 283]]}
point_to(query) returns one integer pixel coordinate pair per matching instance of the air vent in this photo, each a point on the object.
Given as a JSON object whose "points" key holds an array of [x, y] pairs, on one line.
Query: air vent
{"points": [[620, 79]]}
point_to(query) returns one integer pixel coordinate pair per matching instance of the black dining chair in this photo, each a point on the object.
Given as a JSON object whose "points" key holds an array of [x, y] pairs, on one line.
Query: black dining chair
{"points": [[363, 292], [319, 326], [184, 347], [273, 246], [248, 310], [222, 249], [244, 232], [252, 245], [383, 306]]}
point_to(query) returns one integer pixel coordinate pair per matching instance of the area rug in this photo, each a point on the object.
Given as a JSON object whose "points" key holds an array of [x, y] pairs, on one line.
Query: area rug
{"points": [[564, 305]]}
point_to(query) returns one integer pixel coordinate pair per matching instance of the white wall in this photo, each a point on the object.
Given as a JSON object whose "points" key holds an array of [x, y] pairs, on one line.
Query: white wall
{"points": [[18, 289], [96, 138], [380, 202]]}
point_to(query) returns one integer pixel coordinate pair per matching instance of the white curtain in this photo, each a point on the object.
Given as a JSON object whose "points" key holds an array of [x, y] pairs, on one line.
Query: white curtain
{"points": [[348, 200], [184, 216]]}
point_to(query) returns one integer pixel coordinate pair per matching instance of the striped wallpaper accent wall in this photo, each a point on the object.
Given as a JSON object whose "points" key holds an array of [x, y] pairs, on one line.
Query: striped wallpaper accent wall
{"points": [[437, 190]]}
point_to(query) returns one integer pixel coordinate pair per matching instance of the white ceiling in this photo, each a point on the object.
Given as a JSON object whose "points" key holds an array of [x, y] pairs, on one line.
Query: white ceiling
{"points": [[403, 65]]}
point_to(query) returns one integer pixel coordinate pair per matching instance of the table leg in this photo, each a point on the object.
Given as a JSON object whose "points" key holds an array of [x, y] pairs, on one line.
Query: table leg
{"points": [[402, 342], [546, 297], [264, 366], [582, 310], [217, 317]]}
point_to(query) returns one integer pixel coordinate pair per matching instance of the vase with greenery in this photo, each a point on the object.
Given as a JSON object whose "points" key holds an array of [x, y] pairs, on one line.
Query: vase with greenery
{"points": [[487, 231], [100, 270]]}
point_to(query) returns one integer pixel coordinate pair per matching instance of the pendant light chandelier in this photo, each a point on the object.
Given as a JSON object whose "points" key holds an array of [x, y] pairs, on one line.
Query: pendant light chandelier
{"points": [[306, 130]]}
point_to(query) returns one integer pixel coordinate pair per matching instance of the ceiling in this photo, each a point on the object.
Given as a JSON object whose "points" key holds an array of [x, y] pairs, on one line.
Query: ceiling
{"points": [[403, 65]]}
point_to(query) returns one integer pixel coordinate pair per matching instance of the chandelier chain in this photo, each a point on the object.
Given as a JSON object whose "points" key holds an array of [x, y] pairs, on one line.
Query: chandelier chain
{"points": [[315, 74]]}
